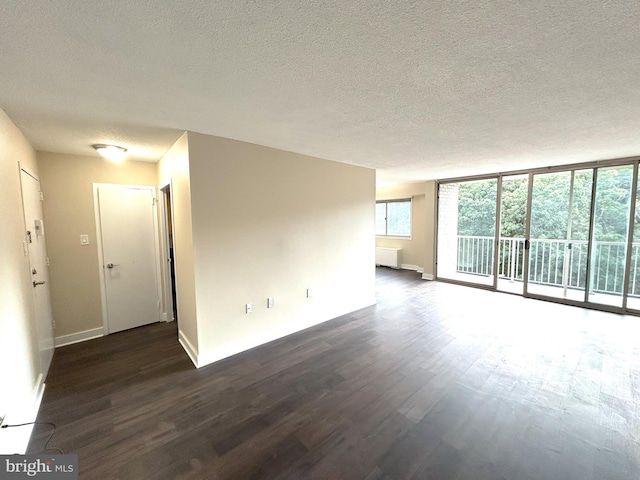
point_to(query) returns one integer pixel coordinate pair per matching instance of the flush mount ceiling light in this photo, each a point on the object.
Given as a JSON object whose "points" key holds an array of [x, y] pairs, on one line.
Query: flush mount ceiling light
{"points": [[110, 152]]}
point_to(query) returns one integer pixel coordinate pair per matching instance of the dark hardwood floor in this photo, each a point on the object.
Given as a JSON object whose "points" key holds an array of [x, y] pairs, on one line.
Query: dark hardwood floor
{"points": [[437, 381]]}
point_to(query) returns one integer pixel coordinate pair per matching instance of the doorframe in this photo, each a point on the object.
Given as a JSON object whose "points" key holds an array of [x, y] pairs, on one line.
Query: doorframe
{"points": [[44, 369], [156, 246], [632, 227], [496, 235], [164, 256]]}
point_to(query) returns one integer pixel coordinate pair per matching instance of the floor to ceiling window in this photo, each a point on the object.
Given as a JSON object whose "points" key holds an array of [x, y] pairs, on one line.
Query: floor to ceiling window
{"points": [[633, 283], [610, 235], [559, 233], [466, 231], [572, 235], [513, 226]]}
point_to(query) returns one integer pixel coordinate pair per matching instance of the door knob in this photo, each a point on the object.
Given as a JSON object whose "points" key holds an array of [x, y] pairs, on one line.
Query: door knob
{"points": [[35, 284], [111, 265]]}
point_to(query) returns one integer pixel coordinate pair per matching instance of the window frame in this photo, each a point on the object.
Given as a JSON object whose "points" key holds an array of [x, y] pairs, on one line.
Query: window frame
{"points": [[386, 218]]}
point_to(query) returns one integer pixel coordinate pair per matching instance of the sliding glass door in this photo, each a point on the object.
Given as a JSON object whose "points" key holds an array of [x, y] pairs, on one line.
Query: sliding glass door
{"points": [[513, 224], [569, 235], [610, 235], [558, 234], [633, 278]]}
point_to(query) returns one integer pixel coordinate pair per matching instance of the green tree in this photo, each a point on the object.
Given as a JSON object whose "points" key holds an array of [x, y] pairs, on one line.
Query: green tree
{"points": [[514, 207], [477, 208]]}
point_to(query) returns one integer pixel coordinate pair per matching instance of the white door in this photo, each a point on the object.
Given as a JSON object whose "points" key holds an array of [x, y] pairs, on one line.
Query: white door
{"points": [[127, 230], [35, 237]]}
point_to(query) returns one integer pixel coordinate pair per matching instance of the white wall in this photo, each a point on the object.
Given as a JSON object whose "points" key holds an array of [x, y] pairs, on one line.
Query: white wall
{"points": [[20, 369], [67, 183], [269, 223], [173, 169], [431, 220], [417, 251]]}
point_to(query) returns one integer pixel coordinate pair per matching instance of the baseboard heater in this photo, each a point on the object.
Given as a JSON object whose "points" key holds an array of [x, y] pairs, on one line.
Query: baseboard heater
{"points": [[388, 257]]}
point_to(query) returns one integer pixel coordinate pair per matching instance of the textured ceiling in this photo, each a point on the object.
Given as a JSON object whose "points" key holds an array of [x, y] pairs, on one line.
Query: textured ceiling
{"points": [[417, 89]]}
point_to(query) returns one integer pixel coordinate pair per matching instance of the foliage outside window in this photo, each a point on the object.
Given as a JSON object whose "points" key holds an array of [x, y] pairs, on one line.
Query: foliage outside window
{"points": [[393, 218]]}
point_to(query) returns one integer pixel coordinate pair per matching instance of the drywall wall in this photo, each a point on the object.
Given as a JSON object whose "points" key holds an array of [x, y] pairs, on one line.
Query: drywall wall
{"points": [[20, 368], [413, 250], [67, 184], [173, 169], [430, 207], [269, 223], [418, 252]]}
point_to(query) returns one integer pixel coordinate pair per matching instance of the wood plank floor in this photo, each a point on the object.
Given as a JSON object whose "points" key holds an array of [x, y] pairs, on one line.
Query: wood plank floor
{"points": [[437, 381]]}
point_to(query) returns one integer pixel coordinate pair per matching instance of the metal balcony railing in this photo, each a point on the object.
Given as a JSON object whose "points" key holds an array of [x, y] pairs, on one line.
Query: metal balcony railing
{"points": [[552, 262]]}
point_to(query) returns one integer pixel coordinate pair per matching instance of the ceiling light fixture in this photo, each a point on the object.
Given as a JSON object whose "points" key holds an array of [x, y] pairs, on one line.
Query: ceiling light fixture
{"points": [[110, 152]]}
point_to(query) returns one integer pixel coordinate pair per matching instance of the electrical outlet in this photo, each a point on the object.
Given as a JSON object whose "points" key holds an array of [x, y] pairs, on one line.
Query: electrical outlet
{"points": [[270, 302]]}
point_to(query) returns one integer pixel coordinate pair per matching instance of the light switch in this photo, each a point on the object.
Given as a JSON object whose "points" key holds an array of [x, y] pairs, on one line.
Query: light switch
{"points": [[84, 239]]}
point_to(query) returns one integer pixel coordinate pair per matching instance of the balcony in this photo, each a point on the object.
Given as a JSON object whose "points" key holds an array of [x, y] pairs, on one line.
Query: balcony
{"points": [[556, 267]]}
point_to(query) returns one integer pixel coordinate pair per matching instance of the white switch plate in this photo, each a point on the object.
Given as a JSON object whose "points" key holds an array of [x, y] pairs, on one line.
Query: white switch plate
{"points": [[249, 308], [309, 293], [84, 239], [270, 302]]}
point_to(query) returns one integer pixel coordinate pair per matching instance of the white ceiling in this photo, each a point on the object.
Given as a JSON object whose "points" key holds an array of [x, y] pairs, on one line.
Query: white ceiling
{"points": [[417, 89]]}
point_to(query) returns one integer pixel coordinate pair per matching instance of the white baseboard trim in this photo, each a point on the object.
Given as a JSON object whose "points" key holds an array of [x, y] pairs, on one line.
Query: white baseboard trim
{"points": [[78, 337], [240, 346], [415, 268], [224, 351], [427, 276], [188, 348], [406, 266], [16, 440]]}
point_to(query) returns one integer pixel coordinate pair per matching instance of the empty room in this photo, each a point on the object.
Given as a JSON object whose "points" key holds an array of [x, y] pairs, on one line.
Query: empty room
{"points": [[324, 240]]}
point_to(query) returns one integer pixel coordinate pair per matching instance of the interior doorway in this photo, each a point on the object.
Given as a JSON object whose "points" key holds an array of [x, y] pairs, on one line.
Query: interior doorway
{"points": [[169, 255]]}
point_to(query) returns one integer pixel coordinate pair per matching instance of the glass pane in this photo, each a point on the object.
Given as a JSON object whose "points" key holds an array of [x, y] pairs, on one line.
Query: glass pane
{"points": [[633, 292], [610, 234], [579, 233], [399, 218], [560, 209], [381, 218], [513, 215], [466, 231]]}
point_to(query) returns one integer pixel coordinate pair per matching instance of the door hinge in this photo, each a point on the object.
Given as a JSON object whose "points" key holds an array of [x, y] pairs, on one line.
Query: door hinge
{"points": [[47, 261], [41, 196], [153, 203]]}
